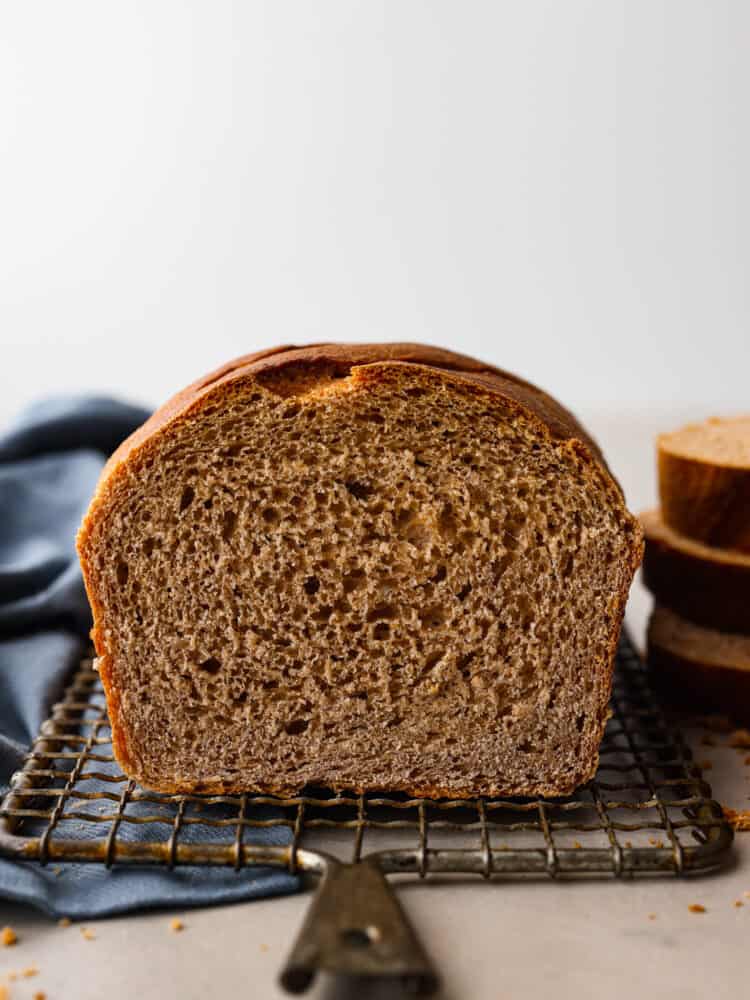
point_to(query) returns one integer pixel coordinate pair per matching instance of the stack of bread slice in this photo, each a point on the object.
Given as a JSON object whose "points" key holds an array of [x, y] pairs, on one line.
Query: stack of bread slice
{"points": [[697, 565]]}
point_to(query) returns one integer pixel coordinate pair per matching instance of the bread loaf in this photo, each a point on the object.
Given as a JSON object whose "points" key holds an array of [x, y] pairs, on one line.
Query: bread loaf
{"points": [[705, 585], [704, 482], [697, 667], [383, 566]]}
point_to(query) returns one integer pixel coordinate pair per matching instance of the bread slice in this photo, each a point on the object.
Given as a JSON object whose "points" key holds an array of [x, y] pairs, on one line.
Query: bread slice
{"points": [[704, 669], [706, 585], [704, 482], [362, 567]]}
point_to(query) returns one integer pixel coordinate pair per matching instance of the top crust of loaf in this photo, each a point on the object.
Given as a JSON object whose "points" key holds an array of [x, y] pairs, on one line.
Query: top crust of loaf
{"points": [[718, 441], [273, 363]]}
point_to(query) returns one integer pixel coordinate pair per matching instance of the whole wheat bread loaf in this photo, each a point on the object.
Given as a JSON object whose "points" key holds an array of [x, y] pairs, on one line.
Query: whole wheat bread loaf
{"points": [[382, 566], [704, 481]]}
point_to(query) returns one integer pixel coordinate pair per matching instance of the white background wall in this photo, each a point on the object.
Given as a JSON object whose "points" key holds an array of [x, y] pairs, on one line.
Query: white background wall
{"points": [[560, 187]]}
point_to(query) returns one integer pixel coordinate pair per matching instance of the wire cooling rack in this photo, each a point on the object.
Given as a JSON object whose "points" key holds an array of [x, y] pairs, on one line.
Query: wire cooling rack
{"points": [[648, 811]]}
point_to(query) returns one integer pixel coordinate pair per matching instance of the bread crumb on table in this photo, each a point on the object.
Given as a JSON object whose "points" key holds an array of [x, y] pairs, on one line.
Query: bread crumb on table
{"points": [[264, 947], [64, 922], [8, 937], [29, 971], [577, 844], [176, 925], [738, 902], [739, 819], [88, 934], [4, 992], [740, 739], [12, 977], [40, 995], [652, 916], [697, 908]]}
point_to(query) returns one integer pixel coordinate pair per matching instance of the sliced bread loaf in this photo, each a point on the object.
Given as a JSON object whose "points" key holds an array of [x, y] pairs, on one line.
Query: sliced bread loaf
{"points": [[704, 481], [706, 585], [382, 566], [701, 668]]}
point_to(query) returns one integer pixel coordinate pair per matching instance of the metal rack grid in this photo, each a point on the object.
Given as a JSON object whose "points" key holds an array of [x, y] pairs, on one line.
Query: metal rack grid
{"points": [[648, 810]]}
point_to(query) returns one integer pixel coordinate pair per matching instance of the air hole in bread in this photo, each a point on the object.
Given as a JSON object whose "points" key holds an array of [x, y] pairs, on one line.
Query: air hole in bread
{"points": [[362, 491], [210, 666], [297, 726], [187, 497], [271, 515]]}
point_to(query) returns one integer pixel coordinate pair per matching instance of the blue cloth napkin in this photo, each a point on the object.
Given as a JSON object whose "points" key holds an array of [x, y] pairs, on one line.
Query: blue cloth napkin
{"points": [[50, 460]]}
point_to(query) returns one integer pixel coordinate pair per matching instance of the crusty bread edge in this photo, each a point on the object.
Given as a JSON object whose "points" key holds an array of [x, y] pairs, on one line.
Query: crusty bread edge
{"points": [[708, 587], [704, 500], [700, 686]]}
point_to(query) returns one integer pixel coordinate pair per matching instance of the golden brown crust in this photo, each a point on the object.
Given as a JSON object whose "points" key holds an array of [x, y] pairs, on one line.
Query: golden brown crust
{"points": [[363, 362], [704, 501], [559, 421], [704, 586]]}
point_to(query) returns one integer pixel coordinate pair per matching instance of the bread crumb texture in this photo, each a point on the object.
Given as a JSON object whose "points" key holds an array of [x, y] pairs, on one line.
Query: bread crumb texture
{"points": [[739, 819], [697, 908], [361, 583], [8, 937]]}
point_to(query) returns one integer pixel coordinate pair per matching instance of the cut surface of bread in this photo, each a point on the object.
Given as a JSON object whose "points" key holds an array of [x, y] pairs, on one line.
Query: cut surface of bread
{"points": [[362, 567], [703, 668], [706, 585], [704, 481]]}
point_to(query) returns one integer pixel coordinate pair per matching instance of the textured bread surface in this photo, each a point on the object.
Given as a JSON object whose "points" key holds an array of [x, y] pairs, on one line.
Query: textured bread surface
{"points": [[379, 566], [704, 481], [701, 668], [705, 585]]}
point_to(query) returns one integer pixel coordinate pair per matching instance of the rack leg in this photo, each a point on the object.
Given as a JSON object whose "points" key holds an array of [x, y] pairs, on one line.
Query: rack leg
{"points": [[355, 926]]}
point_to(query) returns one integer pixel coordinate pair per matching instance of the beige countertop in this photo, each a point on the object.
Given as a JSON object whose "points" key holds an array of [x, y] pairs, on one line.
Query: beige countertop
{"points": [[509, 939]]}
